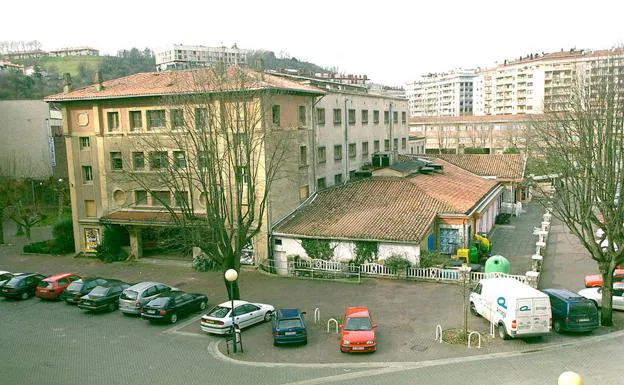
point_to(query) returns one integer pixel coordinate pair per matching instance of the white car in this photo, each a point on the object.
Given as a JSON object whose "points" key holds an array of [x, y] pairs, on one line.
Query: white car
{"points": [[595, 294], [5, 276], [219, 319]]}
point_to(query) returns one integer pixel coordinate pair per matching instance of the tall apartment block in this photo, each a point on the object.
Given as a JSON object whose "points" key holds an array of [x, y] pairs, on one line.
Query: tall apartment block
{"points": [[178, 56], [442, 94]]}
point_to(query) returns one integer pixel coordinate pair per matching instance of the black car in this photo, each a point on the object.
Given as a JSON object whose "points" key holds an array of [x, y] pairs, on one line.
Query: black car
{"points": [[78, 288], [22, 285], [103, 297], [169, 306]]}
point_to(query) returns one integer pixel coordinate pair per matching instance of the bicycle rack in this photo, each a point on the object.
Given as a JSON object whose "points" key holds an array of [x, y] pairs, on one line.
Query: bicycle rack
{"points": [[438, 333], [329, 323], [470, 336], [317, 315]]}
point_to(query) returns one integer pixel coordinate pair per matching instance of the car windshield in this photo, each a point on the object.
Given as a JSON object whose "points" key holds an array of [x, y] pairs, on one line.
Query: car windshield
{"points": [[289, 323], [358, 323], [218, 312], [159, 302], [129, 295], [99, 291], [582, 308], [75, 286], [45, 285]]}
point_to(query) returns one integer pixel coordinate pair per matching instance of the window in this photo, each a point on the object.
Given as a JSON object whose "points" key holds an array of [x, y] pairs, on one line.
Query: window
{"points": [[338, 179], [179, 159], [302, 115], [351, 174], [140, 197], [403, 117], [403, 143], [181, 198], [242, 174], [202, 159], [158, 160], [304, 192], [160, 198], [351, 116], [386, 144], [376, 146], [321, 183], [375, 116], [364, 148], [85, 142], [136, 120], [155, 119], [275, 110], [364, 116], [87, 174], [113, 121], [116, 161], [138, 160], [386, 117], [90, 209], [352, 150], [321, 154], [395, 143], [177, 118], [337, 116], [303, 156], [338, 152], [201, 118], [320, 116]]}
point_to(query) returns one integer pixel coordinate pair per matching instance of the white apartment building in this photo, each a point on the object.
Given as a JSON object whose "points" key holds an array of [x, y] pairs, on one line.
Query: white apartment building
{"points": [[442, 94], [178, 56]]}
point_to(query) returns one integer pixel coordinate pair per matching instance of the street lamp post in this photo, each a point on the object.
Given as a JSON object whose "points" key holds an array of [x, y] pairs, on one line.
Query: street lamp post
{"points": [[231, 276]]}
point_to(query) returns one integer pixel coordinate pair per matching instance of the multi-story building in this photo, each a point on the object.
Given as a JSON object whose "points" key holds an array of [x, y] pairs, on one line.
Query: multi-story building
{"points": [[178, 56], [442, 94], [335, 133], [74, 51]]}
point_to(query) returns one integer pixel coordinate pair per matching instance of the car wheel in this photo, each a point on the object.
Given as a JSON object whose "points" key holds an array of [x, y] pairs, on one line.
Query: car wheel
{"points": [[502, 332], [111, 307], [25, 295], [557, 326], [473, 309], [202, 305], [174, 318], [267, 316]]}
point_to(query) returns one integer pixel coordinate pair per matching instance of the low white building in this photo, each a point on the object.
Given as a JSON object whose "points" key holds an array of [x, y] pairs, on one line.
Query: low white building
{"points": [[179, 56]]}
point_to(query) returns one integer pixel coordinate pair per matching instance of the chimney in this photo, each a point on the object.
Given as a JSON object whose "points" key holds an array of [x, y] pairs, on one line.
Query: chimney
{"points": [[98, 81], [66, 82]]}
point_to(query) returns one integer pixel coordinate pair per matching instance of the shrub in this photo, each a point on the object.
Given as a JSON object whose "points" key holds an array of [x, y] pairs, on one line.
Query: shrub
{"points": [[397, 263], [318, 248], [109, 250], [63, 233], [503, 219], [365, 252], [204, 263], [432, 259], [43, 247]]}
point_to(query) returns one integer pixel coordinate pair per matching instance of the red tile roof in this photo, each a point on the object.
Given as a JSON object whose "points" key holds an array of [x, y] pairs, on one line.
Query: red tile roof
{"points": [[183, 82], [379, 208], [508, 167]]}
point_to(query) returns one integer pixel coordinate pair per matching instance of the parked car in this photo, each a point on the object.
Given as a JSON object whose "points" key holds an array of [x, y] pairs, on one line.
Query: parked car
{"points": [[595, 294], [357, 331], [103, 297], [219, 319], [52, 287], [289, 327], [5, 276], [572, 312], [595, 280], [22, 285], [169, 306], [136, 296], [84, 285]]}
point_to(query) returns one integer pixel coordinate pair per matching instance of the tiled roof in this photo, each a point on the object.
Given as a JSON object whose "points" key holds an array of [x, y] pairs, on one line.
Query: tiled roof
{"points": [[183, 82], [379, 208], [503, 166], [454, 186]]}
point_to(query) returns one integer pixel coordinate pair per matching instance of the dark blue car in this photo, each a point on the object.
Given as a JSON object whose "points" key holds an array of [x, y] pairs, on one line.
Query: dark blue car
{"points": [[289, 327], [572, 312]]}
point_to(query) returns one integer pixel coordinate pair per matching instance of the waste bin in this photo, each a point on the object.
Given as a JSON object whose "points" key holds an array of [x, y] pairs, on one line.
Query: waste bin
{"points": [[497, 264]]}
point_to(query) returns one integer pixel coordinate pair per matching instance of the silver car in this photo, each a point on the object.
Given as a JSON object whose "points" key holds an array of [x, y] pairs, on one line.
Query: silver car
{"points": [[135, 297]]}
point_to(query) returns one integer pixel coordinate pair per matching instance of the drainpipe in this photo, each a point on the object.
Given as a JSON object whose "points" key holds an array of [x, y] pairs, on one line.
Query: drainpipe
{"points": [[314, 119], [391, 134], [346, 140]]}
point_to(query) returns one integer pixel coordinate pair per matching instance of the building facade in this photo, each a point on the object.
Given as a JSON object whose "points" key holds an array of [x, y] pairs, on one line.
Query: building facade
{"points": [[178, 56], [442, 94], [74, 51]]}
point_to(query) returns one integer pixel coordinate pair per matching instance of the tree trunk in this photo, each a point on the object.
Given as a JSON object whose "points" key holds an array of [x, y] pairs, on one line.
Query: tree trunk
{"points": [[606, 313], [1, 225], [232, 289]]}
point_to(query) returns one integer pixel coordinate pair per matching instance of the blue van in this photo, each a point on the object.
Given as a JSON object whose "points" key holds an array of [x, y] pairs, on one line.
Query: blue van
{"points": [[289, 327], [572, 312]]}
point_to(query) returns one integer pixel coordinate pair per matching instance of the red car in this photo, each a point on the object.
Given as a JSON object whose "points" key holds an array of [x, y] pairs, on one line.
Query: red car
{"points": [[52, 287], [357, 332], [595, 280]]}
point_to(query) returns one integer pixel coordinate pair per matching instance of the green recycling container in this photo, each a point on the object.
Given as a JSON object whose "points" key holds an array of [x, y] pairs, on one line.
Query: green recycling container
{"points": [[473, 254], [497, 264]]}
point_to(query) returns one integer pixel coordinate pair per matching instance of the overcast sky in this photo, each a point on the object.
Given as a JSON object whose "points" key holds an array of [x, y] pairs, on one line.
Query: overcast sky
{"points": [[393, 42]]}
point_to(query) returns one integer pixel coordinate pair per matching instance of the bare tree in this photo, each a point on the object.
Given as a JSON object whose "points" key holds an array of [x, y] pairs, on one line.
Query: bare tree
{"points": [[583, 143], [213, 165]]}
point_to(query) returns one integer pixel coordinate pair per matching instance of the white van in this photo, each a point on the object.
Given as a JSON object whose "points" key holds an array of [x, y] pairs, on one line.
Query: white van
{"points": [[516, 309]]}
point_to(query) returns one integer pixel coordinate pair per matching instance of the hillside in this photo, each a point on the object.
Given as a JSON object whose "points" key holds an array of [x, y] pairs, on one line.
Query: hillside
{"points": [[271, 62]]}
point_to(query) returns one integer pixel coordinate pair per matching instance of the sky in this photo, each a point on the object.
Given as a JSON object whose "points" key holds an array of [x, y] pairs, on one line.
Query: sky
{"points": [[393, 42]]}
